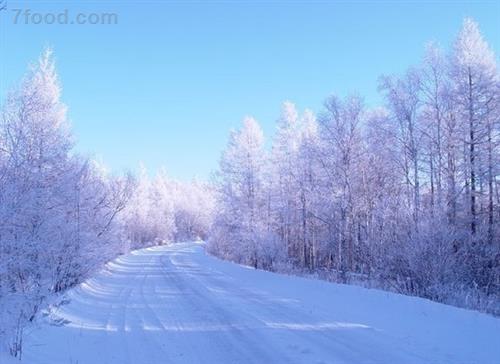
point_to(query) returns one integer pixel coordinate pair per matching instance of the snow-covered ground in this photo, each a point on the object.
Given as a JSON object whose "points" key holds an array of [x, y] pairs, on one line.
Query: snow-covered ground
{"points": [[175, 304]]}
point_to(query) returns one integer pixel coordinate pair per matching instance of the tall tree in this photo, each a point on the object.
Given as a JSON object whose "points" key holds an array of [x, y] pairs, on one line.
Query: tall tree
{"points": [[284, 192], [475, 82], [403, 99], [240, 188], [341, 151]]}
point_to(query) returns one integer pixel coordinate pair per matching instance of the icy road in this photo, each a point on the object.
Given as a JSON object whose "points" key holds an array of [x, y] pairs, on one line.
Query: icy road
{"points": [[175, 304]]}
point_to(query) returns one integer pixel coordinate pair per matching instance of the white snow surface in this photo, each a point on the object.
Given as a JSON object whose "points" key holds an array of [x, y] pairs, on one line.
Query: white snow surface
{"points": [[176, 304]]}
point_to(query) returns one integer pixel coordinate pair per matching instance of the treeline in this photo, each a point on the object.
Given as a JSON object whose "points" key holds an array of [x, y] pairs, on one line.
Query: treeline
{"points": [[162, 210], [61, 215], [403, 197]]}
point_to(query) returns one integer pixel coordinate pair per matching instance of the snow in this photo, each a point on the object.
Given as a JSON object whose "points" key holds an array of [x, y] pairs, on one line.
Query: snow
{"points": [[177, 304], [7, 359]]}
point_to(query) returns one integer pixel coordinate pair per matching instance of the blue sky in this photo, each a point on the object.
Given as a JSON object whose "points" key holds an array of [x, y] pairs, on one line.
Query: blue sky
{"points": [[166, 84]]}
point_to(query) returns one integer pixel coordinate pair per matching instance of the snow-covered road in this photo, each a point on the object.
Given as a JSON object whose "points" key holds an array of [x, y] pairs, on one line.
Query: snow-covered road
{"points": [[175, 304]]}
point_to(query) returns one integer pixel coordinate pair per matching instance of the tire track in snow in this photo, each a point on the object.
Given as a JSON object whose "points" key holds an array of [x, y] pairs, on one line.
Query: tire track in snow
{"points": [[348, 347], [233, 334], [176, 305]]}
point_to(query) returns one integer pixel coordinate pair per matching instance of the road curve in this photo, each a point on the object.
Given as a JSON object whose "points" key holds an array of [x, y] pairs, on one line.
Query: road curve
{"points": [[175, 304]]}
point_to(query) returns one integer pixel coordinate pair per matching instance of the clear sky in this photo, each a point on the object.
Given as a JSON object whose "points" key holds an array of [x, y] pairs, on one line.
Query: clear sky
{"points": [[166, 83]]}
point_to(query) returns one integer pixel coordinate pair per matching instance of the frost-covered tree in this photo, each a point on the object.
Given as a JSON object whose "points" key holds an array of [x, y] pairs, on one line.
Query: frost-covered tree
{"points": [[35, 167], [403, 99], [404, 197], [149, 219], [194, 208], [240, 189], [163, 210], [475, 90], [56, 208], [341, 153], [284, 196], [308, 181]]}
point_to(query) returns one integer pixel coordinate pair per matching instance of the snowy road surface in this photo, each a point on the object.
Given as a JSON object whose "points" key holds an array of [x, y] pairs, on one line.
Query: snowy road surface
{"points": [[175, 304]]}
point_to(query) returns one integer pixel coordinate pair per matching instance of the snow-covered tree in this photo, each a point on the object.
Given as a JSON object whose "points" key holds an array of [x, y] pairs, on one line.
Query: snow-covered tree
{"points": [[475, 91], [405, 196], [240, 190], [284, 196], [56, 208]]}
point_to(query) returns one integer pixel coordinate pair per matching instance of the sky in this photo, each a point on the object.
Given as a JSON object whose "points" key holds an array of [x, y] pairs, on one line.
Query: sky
{"points": [[166, 83]]}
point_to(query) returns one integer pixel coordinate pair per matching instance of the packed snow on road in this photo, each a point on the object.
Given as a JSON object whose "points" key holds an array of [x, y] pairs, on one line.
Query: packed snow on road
{"points": [[176, 304]]}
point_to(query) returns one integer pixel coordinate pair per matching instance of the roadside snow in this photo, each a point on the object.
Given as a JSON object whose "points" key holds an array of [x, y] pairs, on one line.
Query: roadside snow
{"points": [[7, 359], [175, 304]]}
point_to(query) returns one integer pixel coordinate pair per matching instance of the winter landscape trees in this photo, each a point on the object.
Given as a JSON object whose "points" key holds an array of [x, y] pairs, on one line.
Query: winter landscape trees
{"points": [[402, 197], [62, 215], [57, 209]]}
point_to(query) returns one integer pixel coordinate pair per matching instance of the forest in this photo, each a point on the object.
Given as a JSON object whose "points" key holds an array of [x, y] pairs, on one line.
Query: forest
{"points": [[402, 197]]}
